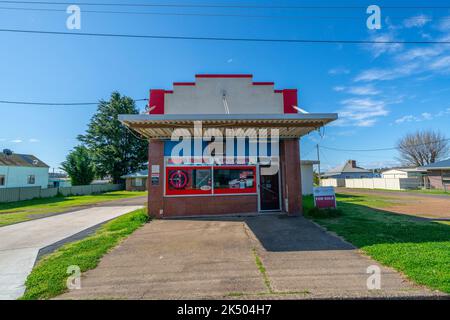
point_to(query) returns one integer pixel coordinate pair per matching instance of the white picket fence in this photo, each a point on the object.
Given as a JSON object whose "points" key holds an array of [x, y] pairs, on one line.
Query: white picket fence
{"points": [[374, 183], [27, 193]]}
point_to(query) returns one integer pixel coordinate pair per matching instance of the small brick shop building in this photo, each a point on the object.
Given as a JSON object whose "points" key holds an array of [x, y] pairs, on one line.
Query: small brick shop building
{"points": [[196, 169]]}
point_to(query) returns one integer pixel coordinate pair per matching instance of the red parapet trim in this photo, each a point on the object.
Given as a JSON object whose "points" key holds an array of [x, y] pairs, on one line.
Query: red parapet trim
{"points": [[278, 91], [224, 76], [168, 91], [156, 100], [289, 100], [184, 83], [263, 83]]}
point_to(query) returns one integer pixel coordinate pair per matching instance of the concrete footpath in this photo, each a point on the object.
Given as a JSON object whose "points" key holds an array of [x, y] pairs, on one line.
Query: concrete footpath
{"points": [[215, 258], [20, 243]]}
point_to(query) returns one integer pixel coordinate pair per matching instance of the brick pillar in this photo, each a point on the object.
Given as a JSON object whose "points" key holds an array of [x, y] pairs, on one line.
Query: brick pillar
{"points": [[291, 179], [155, 192]]}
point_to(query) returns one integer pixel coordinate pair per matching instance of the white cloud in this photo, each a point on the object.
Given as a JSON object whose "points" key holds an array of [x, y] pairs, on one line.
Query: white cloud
{"points": [[338, 70], [427, 116], [16, 141], [416, 21], [407, 118], [444, 24], [366, 90], [230, 60], [442, 64], [361, 112], [339, 88], [377, 49], [422, 117], [387, 74], [33, 140]]}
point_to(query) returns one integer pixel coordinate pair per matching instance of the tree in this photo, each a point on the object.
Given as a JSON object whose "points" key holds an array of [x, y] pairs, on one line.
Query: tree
{"points": [[79, 166], [115, 150], [422, 147]]}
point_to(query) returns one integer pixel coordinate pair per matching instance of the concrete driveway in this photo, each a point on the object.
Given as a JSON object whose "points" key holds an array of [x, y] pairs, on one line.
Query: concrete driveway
{"points": [[215, 258], [20, 243]]}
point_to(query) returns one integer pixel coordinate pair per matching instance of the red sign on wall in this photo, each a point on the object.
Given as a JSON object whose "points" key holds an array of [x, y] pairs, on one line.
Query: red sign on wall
{"points": [[324, 197]]}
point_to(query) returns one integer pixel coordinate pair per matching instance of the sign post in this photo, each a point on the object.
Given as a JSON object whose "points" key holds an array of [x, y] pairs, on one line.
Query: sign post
{"points": [[324, 197]]}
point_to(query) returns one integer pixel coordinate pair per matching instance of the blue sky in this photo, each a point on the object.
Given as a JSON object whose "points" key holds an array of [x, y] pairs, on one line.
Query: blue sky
{"points": [[380, 91]]}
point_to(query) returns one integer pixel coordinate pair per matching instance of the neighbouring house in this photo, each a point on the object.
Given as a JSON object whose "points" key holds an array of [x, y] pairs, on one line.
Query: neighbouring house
{"points": [[438, 175], [182, 181], [136, 181], [22, 170], [395, 173], [58, 180], [307, 175], [349, 170]]}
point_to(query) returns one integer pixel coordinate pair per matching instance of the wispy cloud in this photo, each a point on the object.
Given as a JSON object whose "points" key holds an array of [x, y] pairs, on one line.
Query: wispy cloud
{"points": [[416, 21], [338, 71], [422, 117], [361, 112], [33, 140], [366, 90], [230, 60], [377, 49], [383, 74], [17, 141]]}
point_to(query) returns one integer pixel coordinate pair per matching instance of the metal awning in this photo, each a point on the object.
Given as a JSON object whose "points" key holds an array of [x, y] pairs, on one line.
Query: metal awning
{"points": [[161, 126]]}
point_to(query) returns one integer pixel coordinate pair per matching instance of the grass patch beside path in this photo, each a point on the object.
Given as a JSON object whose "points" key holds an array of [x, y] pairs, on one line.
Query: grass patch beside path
{"points": [[13, 212], [419, 249], [49, 276]]}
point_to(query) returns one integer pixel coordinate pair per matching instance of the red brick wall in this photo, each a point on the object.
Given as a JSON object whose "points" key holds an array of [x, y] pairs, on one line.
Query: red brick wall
{"points": [[209, 205], [155, 193], [290, 176]]}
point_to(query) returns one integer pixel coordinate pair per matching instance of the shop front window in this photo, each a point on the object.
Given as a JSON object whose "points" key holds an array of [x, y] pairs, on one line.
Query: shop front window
{"points": [[209, 180], [188, 180], [234, 180]]}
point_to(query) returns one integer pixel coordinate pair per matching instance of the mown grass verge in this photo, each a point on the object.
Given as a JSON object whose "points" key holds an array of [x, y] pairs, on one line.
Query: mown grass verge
{"points": [[49, 276], [14, 212], [420, 249]]}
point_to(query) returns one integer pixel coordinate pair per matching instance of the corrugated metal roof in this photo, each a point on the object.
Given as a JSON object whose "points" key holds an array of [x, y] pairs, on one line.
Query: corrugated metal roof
{"points": [[444, 164], [289, 125], [21, 160]]}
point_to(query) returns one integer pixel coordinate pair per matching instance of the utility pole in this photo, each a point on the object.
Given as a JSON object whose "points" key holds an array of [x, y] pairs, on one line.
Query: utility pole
{"points": [[318, 159]]}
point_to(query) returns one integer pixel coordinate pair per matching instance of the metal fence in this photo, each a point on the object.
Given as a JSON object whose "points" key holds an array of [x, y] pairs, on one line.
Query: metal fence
{"points": [[27, 193]]}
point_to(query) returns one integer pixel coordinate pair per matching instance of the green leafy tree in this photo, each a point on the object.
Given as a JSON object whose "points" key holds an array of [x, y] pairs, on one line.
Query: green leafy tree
{"points": [[115, 150], [79, 166]]}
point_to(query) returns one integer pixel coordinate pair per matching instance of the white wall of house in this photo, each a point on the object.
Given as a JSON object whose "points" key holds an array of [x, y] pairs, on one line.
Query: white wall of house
{"points": [[205, 97], [307, 178], [16, 177]]}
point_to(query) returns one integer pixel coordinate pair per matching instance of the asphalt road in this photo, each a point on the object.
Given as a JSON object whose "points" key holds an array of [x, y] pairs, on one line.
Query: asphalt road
{"points": [[20, 243]]}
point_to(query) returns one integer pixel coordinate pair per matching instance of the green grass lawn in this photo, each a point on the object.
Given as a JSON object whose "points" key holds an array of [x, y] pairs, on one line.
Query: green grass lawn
{"points": [[420, 249], [13, 212], [49, 276]]}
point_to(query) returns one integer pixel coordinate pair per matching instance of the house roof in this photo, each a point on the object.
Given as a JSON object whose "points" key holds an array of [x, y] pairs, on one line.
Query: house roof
{"points": [[137, 174], [415, 169], [21, 160], [444, 164], [160, 126], [346, 168]]}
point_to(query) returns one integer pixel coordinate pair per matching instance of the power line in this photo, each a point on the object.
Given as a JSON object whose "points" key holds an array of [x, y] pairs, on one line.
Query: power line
{"points": [[55, 103], [206, 5], [217, 14], [383, 149], [325, 41]]}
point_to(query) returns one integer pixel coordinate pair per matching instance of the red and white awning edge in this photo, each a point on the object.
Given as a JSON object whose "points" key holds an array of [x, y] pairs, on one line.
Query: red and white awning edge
{"points": [[161, 126]]}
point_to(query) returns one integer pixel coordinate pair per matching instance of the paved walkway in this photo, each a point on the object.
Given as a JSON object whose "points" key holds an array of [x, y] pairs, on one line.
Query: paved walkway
{"points": [[214, 258], [20, 243]]}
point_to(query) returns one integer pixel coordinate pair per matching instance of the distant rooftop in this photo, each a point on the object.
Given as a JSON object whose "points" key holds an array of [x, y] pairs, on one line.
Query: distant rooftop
{"points": [[444, 164], [349, 167], [20, 160]]}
